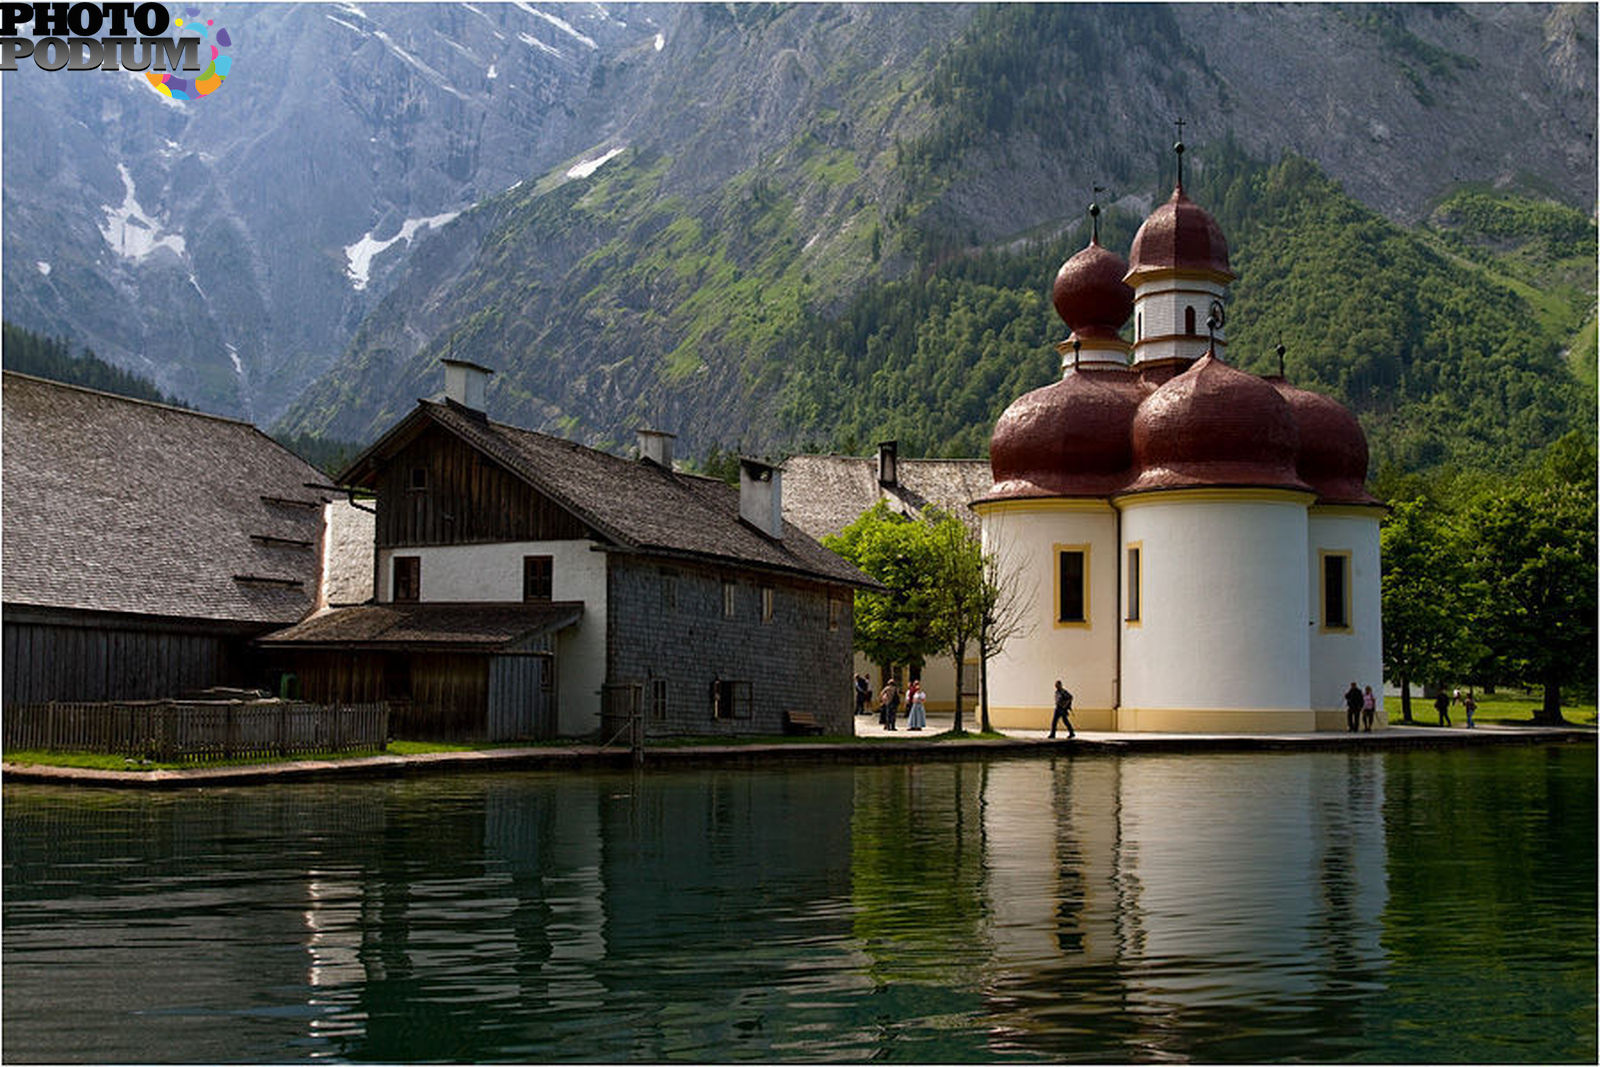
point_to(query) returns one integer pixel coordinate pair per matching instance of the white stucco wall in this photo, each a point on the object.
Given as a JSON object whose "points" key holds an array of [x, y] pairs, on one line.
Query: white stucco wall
{"points": [[1224, 619], [1158, 312], [1340, 657], [493, 573], [1024, 535]]}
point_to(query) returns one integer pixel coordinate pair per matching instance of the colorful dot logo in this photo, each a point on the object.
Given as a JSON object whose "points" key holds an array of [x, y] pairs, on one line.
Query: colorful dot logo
{"points": [[215, 73]]}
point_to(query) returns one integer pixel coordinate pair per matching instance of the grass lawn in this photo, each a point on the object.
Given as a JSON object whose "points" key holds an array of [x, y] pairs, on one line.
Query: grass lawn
{"points": [[100, 761], [1509, 707]]}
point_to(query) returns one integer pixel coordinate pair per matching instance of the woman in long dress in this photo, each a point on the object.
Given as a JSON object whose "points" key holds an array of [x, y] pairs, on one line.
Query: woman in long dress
{"points": [[918, 717]]}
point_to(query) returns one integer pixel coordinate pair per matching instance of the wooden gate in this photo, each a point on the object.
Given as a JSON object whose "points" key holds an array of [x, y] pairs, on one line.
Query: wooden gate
{"points": [[521, 697]]}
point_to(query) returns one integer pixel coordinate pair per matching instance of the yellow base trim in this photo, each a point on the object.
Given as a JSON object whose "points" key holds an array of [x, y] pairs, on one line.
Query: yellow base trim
{"points": [[1178, 720]]}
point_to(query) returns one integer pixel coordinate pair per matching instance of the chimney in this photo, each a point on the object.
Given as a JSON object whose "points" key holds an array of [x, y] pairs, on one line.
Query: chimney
{"points": [[887, 476], [465, 384], [761, 496], [656, 446]]}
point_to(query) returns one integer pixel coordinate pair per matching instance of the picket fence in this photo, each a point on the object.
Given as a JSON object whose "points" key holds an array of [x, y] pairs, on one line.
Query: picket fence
{"points": [[184, 731]]}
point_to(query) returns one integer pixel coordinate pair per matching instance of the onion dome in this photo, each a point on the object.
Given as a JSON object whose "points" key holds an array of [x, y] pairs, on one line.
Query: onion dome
{"points": [[1333, 448], [1215, 426], [1069, 438], [1179, 236], [1090, 295]]}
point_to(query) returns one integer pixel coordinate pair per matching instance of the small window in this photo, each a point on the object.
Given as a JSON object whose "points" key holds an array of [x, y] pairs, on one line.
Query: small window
{"points": [[669, 591], [1336, 591], [658, 698], [1072, 593], [538, 577], [1138, 327], [419, 477], [835, 609], [1134, 552], [727, 600], [766, 603], [730, 700], [407, 579], [1188, 319]]}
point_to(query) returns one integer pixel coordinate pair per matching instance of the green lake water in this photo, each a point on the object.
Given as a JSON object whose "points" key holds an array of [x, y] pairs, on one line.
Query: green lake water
{"points": [[1403, 907]]}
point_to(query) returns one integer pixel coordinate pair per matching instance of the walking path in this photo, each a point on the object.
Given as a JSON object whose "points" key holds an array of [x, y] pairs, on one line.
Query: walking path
{"points": [[883, 746]]}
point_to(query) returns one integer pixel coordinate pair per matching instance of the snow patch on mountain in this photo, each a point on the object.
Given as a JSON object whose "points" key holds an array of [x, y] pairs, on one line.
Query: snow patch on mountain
{"points": [[583, 170], [533, 42], [131, 232], [359, 256], [559, 23]]}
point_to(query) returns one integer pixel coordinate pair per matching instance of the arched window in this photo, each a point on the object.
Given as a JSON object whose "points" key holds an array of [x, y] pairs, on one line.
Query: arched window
{"points": [[1188, 319], [1138, 327]]}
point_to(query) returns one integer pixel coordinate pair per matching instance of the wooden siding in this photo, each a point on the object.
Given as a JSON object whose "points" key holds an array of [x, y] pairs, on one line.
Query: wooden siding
{"points": [[434, 696], [520, 708], [111, 661], [467, 499]]}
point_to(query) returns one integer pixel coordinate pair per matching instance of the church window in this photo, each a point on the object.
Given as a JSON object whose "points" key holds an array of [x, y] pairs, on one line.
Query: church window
{"points": [[407, 579], [1188, 319], [1335, 590], [1072, 585], [1135, 552], [1138, 327]]}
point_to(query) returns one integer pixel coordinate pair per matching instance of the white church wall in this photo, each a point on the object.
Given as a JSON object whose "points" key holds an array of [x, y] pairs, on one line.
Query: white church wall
{"points": [[1026, 536], [1355, 653], [1221, 643], [1160, 323]]}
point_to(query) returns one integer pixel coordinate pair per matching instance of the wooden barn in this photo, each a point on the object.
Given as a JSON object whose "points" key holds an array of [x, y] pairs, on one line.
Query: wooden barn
{"points": [[145, 546], [527, 586]]}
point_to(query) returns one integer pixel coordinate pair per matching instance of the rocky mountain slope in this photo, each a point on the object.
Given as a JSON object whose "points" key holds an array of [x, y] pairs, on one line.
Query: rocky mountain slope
{"points": [[651, 224]]}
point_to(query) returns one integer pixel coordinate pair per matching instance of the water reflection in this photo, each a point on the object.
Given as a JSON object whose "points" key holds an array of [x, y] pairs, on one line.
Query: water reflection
{"points": [[1227, 907]]}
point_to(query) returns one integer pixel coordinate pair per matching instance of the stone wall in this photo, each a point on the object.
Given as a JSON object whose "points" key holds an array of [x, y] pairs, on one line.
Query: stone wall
{"points": [[667, 630]]}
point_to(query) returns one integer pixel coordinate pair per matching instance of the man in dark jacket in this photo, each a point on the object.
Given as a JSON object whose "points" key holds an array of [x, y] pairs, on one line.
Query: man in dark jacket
{"points": [[1352, 706], [1063, 711]]}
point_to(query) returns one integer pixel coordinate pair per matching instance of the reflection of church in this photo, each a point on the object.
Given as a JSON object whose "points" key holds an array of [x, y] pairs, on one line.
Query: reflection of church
{"points": [[1196, 545]]}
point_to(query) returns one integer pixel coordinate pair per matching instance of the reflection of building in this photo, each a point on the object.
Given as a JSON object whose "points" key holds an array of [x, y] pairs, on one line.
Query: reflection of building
{"points": [[526, 584], [1199, 542], [822, 494]]}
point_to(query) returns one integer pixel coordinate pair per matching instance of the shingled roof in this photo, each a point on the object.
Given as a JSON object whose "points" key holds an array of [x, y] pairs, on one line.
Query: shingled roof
{"points": [[822, 494], [484, 627], [122, 505], [628, 504]]}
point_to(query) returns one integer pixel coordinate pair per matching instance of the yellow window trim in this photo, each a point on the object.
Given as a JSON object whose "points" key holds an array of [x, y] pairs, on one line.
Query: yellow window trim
{"points": [[1134, 594], [1055, 579], [1322, 585]]}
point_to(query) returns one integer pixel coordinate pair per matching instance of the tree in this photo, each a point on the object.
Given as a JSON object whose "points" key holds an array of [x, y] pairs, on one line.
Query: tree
{"points": [[1004, 617], [1424, 626], [1532, 559], [958, 593], [899, 626]]}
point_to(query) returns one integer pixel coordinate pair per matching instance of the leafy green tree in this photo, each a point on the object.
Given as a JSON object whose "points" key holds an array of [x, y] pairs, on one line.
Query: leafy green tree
{"points": [[899, 626], [959, 592], [1425, 632], [1532, 557]]}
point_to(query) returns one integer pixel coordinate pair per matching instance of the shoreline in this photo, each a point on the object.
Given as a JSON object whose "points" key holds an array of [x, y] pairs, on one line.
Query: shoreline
{"points": [[902, 747]]}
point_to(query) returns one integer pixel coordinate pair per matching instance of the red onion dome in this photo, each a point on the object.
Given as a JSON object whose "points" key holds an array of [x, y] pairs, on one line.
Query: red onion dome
{"points": [[1090, 295], [1180, 235], [1215, 426], [1333, 448], [1069, 438]]}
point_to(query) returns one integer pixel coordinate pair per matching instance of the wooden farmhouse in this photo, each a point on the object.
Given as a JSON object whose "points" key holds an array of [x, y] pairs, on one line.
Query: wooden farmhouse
{"points": [[145, 546], [529, 587]]}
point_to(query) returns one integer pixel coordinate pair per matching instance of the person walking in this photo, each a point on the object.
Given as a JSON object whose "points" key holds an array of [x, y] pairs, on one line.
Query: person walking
{"points": [[1352, 707], [863, 694], [1063, 712], [916, 707], [889, 701], [1471, 707], [1369, 709], [1441, 704]]}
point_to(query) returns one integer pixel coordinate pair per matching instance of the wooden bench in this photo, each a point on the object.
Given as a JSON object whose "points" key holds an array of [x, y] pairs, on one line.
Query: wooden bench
{"points": [[801, 722]]}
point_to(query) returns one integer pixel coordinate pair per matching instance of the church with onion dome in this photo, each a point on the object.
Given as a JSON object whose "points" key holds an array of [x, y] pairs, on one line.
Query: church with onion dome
{"points": [[1195, 544]]}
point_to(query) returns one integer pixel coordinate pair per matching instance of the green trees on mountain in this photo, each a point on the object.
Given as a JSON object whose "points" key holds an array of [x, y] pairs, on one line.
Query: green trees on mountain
{"points": [[51, 357]]}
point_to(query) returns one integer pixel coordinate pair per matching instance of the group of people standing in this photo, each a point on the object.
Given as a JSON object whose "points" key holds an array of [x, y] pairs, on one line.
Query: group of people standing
{"points": [[916, 701], [1442, 702], [1360, 707]]}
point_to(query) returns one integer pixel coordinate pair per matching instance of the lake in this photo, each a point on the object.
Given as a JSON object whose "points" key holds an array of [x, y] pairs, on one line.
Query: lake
{"points": [[1411, 906]]}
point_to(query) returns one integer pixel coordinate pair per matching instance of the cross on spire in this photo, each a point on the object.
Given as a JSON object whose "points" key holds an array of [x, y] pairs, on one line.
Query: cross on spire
{"points": [[1178, 148]]}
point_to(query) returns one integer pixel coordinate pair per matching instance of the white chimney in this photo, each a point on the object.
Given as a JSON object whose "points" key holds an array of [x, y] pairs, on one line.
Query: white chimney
{"points": [[466, 383], [887, 475], [761, 496], [656, 446]]}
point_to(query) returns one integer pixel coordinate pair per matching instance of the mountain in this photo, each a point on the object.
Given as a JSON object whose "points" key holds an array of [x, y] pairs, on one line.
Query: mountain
{"points": [[738, 221]]}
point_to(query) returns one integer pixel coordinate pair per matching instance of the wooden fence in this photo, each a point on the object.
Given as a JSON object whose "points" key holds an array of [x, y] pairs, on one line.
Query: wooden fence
{"points": [[180, 731]]}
